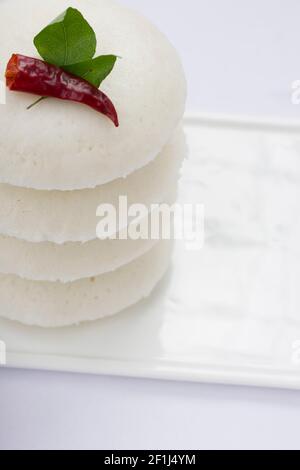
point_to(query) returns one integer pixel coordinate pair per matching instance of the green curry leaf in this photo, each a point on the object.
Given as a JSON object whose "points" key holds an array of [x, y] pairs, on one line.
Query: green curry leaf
{"points": [[94, 70], [69, 39]]}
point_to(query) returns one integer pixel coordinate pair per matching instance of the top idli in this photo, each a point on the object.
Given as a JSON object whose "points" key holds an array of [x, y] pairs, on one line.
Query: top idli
{"points": [[61, 145]]}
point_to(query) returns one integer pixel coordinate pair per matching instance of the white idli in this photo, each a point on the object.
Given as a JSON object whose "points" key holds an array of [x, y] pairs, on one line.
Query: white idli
{"points": [[65, 146], [73, 261], [69, 262], [70, 216], [49, 304]]}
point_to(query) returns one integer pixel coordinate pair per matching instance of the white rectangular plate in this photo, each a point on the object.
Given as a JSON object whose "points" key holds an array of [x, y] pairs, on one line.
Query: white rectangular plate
{"points": [[229, 313]]}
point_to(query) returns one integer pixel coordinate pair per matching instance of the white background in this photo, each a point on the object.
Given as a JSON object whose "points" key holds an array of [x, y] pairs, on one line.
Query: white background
{"points": [[241, 56]]}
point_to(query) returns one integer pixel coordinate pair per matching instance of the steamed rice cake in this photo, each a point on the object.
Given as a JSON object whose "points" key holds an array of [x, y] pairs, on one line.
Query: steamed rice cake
{"points": [[70, 216], [50, 304], [66, 146]]}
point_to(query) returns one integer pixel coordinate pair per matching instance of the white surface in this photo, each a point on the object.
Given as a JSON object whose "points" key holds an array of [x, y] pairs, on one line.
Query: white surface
{"points": [[227, 312], [62, 410]]}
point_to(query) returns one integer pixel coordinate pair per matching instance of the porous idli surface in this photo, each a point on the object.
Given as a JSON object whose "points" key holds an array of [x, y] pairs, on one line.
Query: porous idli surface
{"points": [[70, 216], [68, 262], [73, 261], [48, 304], [65, 146]]}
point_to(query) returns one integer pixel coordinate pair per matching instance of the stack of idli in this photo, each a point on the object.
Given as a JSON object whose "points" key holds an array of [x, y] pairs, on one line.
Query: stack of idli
{"points": [[61, 160]]}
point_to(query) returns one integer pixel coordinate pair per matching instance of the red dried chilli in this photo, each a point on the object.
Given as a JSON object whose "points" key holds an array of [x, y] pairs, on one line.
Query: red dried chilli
{"points": [[40, 78]]}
